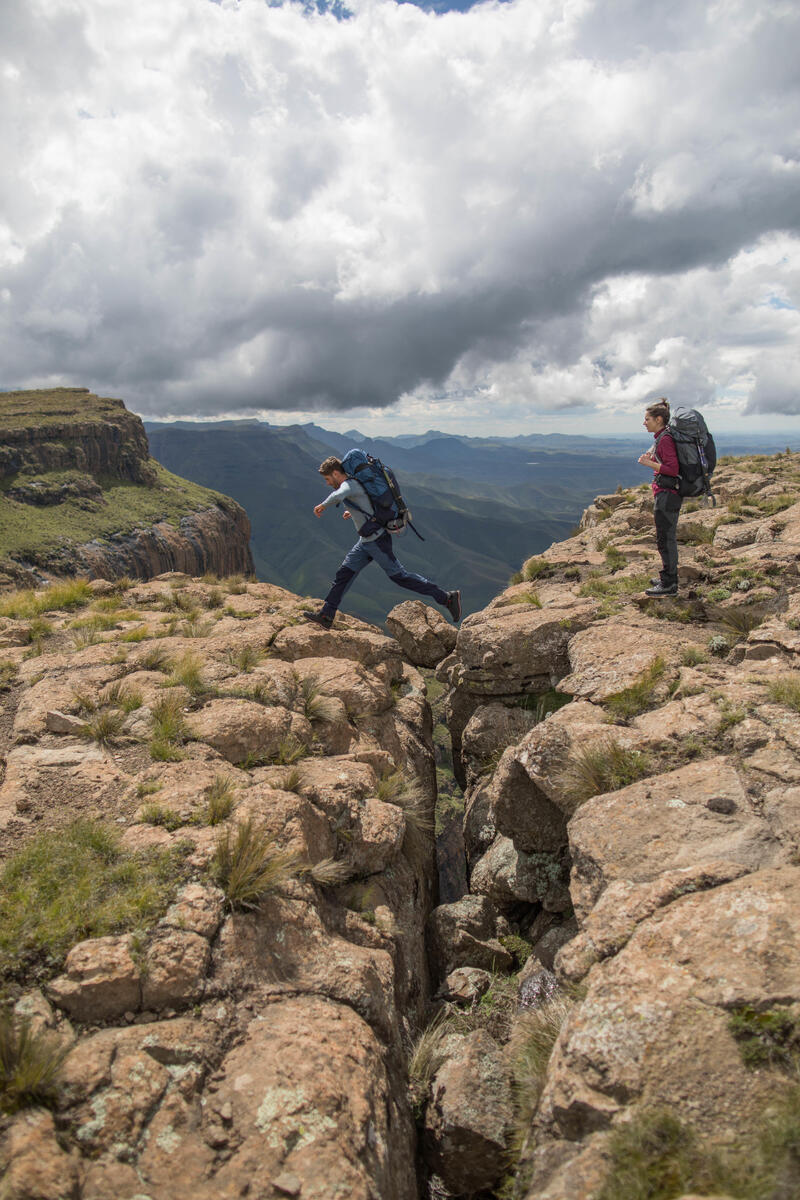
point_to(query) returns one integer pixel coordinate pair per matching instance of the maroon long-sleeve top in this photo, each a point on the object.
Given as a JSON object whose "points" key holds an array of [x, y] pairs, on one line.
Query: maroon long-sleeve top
{"points": [[664, 450]]}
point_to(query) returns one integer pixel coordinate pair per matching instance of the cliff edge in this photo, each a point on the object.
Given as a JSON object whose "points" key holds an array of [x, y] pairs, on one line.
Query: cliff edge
{"points": [[79, 493]]}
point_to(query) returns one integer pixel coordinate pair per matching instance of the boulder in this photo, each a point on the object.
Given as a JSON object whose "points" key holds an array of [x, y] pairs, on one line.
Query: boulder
{"points": [[465, 985], [238, 728], [613, 654], [425, 636], [464, 934], [689, 816], [175, 971], [101, 981], [36, 1168], [507, 875], [654, 1026], [469, 1115], [490, 729]]}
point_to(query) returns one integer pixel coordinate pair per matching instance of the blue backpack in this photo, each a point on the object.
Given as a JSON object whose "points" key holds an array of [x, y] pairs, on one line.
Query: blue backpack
{"points": [[389, 510]]}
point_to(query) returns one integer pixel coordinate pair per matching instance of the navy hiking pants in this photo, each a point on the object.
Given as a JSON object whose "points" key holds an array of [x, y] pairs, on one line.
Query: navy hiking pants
{"points": [[380, 551]]}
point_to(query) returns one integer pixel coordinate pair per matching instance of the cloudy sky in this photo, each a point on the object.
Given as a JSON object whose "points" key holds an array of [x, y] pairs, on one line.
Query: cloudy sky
{"points": [[510, 217]]}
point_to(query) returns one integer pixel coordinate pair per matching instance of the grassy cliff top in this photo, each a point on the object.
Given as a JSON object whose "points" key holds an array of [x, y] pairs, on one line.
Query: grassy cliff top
{"points": [[22, 410]]}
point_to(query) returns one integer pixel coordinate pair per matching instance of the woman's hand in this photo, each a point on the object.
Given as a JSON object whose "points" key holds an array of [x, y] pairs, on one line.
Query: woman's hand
{"points": [[346, 515]]}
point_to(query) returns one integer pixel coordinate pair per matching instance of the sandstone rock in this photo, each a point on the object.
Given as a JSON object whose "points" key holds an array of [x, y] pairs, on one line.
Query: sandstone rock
{"points": [[695, 814], [175, 970], [36, 1168], [58, 722], [469, 1115], [562, 1170], [613, 654], [464, 934], [465, 985], [360, 689], [101, 981], [654, 1025], [536, 985], [479, 828], [490, 729], [546, 947], [507, 875], [238, 728], [423, 633], [624, 905]]}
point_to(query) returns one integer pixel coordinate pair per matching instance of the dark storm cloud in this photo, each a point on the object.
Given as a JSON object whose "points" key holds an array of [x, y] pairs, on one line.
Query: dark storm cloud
{"points": [[271, 210]]}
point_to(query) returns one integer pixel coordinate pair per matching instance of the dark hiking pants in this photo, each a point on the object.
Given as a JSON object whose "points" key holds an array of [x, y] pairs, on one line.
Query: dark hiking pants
{"points": [[666, 510], [380, 551]]}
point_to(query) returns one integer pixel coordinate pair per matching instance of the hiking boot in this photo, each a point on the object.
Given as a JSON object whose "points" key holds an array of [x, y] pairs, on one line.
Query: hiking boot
{"points": [[453, 605], [662, 589], [319, 618]]}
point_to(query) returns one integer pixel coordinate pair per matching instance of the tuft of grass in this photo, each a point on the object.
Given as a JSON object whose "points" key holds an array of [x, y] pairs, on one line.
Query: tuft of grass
{"points": [[329, 872], [390, 787], [214, 598], [219, 800], [120, 695], [425, 1059], [139, 634], [767, 1039], [531, 598], [290, 750], [698, 535], [154, 659], [187, 671], [73, 883], [316, 705], [615, 559], [730, 715], [147, 788], [169, 730], [103, 726], [30, 1064], [785, 690], [639, 696], [603, 766], [8, 673], [531, 1047], [692, 656], [235, 585], [536, 568], [292, 780], [59, 597], [742, 620], [195, 627], [158, 814], [248, 865], [245, 658]]}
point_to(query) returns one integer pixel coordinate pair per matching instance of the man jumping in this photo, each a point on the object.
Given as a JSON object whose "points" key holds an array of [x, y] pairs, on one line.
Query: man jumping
{"points": [[370, 547]]}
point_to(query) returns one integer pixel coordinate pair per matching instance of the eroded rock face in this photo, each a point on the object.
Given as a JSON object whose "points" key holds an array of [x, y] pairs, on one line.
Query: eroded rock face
{"points": [[223, 1051], [469, 1117], [425, 636]]}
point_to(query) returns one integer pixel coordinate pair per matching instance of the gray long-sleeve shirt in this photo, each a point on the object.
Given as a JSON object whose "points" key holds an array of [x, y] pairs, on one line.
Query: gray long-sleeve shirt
{"points": [[354, 492]]}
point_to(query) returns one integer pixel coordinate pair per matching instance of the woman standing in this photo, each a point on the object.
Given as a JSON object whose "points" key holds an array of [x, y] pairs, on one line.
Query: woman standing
{"points": [[663, 459]]}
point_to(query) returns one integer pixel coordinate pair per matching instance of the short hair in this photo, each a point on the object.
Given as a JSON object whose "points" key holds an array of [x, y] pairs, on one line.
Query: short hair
{"points": [[330, 465], [659, 409]]}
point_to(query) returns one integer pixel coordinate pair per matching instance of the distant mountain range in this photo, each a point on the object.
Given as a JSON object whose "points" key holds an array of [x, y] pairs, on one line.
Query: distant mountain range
{"points": [[483, 505]]}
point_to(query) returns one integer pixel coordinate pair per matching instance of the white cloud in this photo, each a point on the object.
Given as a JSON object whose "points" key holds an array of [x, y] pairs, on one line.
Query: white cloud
{"points": [[532, 207]]}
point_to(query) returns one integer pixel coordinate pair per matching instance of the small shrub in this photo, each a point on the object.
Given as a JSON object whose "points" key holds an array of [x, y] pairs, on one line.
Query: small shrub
{"points": [[786, 691], [157, 814], [603, 766], [719, 593], [718, 644], [219, 800], [30, 1064], [247, 865], [639, 696]]}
